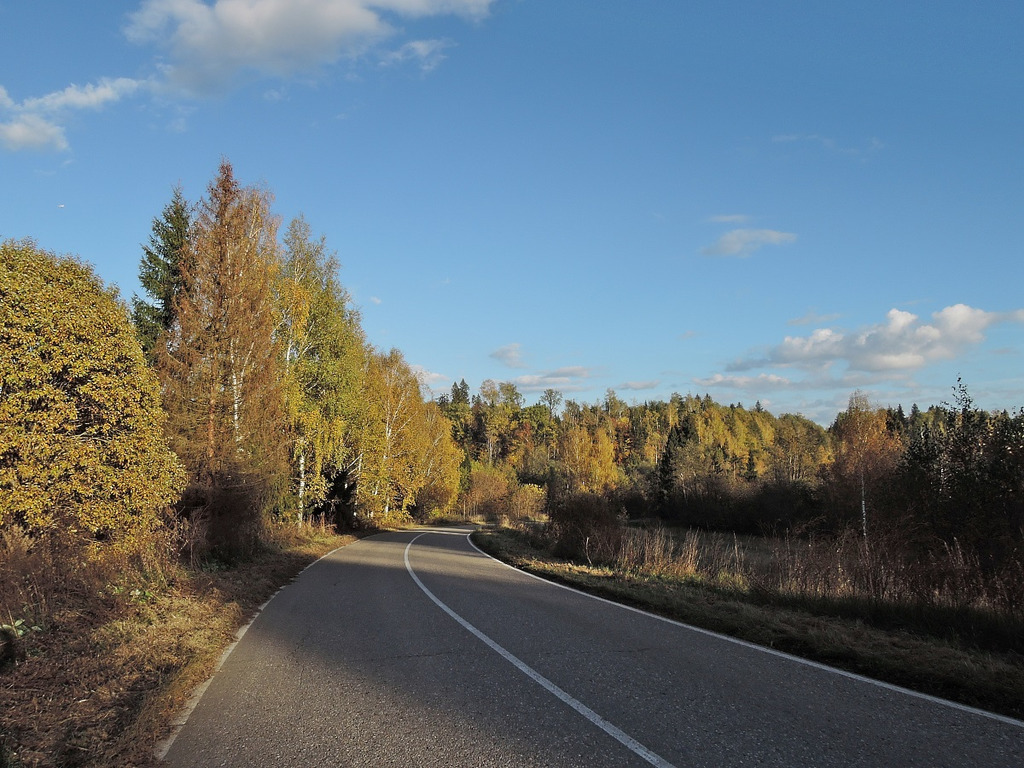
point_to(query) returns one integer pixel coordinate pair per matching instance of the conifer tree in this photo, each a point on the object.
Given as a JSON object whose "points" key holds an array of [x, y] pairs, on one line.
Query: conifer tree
{"points": [[160, 272]]}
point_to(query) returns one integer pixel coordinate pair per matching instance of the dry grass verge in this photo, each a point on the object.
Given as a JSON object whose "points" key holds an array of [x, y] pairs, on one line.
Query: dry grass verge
{"points": [[938, 666], [100, 683]]}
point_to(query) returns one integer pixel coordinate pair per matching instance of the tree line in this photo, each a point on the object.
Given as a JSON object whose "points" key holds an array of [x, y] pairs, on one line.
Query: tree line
{"points": [[951, 474], [241, 387], [245, 357]]}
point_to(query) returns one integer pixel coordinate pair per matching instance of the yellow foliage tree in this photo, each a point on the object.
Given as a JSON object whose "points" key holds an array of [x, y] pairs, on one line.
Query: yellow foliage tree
{"points": [[220, 365], [81, 428]]}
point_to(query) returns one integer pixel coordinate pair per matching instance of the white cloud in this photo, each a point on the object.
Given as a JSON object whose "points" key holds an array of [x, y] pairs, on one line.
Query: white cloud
{"points": [[90, 96], [639, 385], [567, 379], [427, 378], [900, 345], [37, 123], [376, 300], [32, 132], [510, 355], [759, 383], [210, 44], [428, 53], [730, 218], [743, 242]]}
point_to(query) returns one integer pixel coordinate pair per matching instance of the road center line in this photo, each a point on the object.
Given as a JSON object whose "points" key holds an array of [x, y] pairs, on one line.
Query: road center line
{"points": [[616, 733]]}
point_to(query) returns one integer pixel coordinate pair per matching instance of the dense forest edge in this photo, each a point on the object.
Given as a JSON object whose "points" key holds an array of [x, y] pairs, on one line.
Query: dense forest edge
{"points": [[176, 457]]}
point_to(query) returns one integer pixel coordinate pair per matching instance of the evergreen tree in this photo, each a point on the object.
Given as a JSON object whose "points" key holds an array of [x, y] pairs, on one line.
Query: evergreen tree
{"points": [[160, 272]]}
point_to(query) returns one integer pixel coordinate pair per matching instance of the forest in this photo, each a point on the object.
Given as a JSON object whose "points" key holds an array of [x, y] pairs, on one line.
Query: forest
{"points": [[241, 392]]}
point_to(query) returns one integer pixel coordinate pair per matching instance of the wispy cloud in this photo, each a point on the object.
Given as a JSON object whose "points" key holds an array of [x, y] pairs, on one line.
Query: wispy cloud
{"points": [[428, 378], [39, 122], [743, 242], [511, 355], [760, 383], [730, 218], [209, 45], [639, 385], [568, 379], [428, 54], [813, 318]]}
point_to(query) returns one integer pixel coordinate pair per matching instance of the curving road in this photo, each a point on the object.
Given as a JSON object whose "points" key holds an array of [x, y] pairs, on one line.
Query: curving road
{"points": [[415, 649]]}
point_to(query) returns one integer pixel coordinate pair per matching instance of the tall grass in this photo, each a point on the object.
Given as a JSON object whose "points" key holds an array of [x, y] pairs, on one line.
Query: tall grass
{"points": [[942, 592]]}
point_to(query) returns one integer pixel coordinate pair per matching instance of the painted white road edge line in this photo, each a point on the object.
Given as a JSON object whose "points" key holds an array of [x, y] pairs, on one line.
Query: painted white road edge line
{"points": [[765, 649], [163, 747], [625, 739]]}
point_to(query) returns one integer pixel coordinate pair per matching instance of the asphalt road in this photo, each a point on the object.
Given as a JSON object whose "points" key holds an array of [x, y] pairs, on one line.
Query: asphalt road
{"points": [[414, 649]]}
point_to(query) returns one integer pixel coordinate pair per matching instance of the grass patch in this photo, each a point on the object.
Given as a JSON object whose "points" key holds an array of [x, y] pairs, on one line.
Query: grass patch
{"points": [[101, 683], [937, 664]]}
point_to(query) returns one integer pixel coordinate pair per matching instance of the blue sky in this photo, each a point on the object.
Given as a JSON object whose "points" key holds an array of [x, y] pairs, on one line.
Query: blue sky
{"points": [[781, 201]]}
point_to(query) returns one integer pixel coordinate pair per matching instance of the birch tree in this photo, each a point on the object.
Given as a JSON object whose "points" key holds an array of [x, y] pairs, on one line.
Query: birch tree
{"points": [[323, 349], [387, 485]]}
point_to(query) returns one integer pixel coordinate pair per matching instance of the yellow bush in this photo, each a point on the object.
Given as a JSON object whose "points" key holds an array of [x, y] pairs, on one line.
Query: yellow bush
{"points": [[81, 429]]}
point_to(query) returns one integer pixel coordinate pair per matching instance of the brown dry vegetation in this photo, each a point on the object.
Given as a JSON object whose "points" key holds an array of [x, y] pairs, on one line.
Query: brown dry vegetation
{"points": [[812, 599], [125, 637]]}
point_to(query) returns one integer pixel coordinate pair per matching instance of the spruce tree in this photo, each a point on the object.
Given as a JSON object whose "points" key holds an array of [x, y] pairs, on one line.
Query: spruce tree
{"points": [[160, 272]]}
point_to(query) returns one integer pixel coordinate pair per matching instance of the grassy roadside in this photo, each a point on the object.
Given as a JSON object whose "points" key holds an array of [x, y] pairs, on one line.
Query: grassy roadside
{"points": [[102, 684], [940, 667]]}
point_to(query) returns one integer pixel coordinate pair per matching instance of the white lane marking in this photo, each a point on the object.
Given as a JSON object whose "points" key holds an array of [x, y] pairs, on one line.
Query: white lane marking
{"points": [[764, 649], [621, 736]]}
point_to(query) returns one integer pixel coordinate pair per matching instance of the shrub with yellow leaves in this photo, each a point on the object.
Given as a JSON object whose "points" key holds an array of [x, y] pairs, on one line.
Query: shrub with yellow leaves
{"points": [[82, 447]]}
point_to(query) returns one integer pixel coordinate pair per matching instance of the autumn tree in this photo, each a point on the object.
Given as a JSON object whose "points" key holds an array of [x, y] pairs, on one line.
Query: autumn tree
{"points": [[392, 442], [221, 365], [81, 427], [160, 272], [551, 399], [439, 464], [865, 453], [323, 349]]}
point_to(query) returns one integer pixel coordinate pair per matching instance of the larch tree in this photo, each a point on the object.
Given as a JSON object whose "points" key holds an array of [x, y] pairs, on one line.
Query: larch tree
{"points": [[82, 448], [221, 365]]}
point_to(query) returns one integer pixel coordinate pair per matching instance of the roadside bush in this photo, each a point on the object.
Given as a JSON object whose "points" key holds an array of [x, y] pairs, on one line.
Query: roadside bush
{"points": [[586, 526], [81, 428], [526, 503], [488, 492]]}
